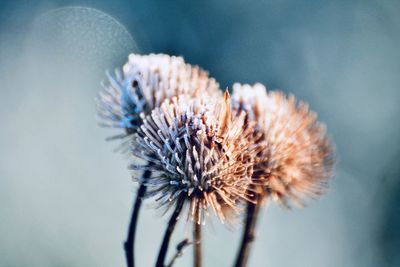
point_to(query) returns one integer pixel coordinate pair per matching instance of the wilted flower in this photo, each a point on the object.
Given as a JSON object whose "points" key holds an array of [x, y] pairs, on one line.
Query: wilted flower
{"points": [[198, 151], [146, 81], [298, 159]]}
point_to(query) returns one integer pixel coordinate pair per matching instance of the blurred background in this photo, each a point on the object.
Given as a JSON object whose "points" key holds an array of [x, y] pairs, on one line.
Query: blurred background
{"points": [[65, 197]]}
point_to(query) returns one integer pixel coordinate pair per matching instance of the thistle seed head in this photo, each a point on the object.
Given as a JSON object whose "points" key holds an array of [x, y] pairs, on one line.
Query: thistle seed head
{"points": [[199, 151], [146, 81], [298, 159]]}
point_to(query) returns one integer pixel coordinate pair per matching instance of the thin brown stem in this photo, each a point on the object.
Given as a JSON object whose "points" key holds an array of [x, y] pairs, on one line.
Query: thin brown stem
{"points": [[129, 244], [248, 237], [197, 257], [167, 236]]}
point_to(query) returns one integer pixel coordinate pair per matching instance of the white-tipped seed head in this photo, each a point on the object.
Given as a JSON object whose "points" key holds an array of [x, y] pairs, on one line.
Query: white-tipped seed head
{"points": [[198, 151], [146, 81]]}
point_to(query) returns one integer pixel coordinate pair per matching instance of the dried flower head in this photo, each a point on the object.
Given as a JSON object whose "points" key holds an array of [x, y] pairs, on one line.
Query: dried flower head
{"points": [[298, 158], [198, 151], [146, 81]]}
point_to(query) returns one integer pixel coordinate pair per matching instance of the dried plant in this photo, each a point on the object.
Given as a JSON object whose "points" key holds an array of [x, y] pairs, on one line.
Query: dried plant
{"points": [[146, 81], [298, 159], [206, 152], [199, 155]]}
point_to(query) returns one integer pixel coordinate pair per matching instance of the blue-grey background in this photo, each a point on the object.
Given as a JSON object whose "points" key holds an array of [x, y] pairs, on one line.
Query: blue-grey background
{"points": [[65, 197]]}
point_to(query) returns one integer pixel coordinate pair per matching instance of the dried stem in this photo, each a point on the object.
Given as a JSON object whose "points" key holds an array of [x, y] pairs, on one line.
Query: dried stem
{"points": [[179, 251], [248, 237], [129, 244], [197, 257], [167, 236]]}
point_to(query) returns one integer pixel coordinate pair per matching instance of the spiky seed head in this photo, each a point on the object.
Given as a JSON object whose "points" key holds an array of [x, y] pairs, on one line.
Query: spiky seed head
{"points": [[298, 159], [146, 81], [198, 151]]}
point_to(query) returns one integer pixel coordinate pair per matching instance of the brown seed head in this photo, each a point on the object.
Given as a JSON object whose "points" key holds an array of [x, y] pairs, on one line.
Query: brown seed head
{"points": [[298, 159]]}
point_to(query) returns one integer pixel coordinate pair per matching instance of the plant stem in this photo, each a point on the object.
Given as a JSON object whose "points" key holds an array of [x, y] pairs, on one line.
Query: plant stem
{"points": [[167, 236], [197, 257], [248, 233], [179, 251], [129, 244]]}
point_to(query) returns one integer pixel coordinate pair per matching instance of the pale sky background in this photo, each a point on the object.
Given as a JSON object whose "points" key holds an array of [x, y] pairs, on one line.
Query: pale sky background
{"points": [[65, 197]]}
